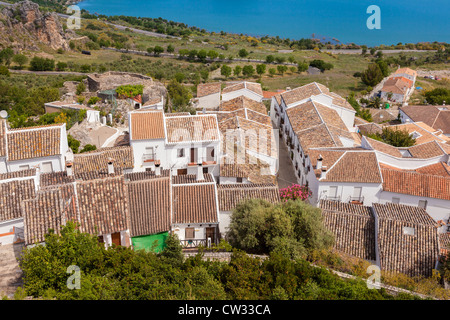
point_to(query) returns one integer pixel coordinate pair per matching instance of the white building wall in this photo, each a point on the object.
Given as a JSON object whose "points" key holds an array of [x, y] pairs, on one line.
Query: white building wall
{"points": [[139, 149], [58, 163], [211, 101], [8, 227], [243, 92]]}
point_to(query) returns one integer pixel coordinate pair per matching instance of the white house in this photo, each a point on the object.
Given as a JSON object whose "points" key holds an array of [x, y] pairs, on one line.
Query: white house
{"points": [[180, 143], [251, 90], [208, 95], [45, 147], [312, 92]]}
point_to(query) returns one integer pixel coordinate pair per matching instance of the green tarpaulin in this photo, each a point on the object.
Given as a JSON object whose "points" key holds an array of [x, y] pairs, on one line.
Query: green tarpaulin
{"points": [[153, 242]]}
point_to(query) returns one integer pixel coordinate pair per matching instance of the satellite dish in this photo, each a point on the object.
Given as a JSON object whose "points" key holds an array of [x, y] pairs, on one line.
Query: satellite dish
{"points": [[4, 114]]}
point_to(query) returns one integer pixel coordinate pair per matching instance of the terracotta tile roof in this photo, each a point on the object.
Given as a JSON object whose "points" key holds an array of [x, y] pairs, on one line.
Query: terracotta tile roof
{"points": [[97, 160], [230, 195], [408, 71], [437, 117], [412, 254], [416, 184], [194, 203], [176, 114], [18, 174], [303, 92], [242, 102], [252, 86], [49, 210], [426, 150], [150, 206], [136, 176], [444, 243], [358, 166], [192, 129], [384, 147], [250, 168], [146, 125], [205, 89], [353, 226], [191, 178], [258, 117], [370, 128], [55, 178], [103, 205], [11, 194], [317, 125], [360, 121], [396, 85], [437, 169], [3, 137], [34, 142], [270, 94]]}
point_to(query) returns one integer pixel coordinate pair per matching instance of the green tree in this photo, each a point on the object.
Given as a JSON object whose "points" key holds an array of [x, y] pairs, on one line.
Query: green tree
{"points": [[170, 48], [20, 59], [302, 66], [212, 54], [74, 144], [204, 73], [88, 147], [179, 95], [438, 96], [4, 71], [61, 66], [320, 64], [201, 55], [6, 56], [42, 64], [157, 50], [383, 67], [260, 69], [243, 53], [237, 71], [272, 71], [225, 71], [248, 71], [270, 58], [81, 87], [281, 69], [372, 75]]}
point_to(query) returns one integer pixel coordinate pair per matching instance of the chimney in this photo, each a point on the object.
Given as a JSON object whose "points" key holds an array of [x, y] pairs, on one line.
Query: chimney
{"points": [[323, 174], [157, 168], [319, 162], [110, 166], [69, 169], [200, 172]]}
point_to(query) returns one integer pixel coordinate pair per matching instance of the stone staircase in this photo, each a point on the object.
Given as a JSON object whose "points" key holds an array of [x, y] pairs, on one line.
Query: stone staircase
{"points": [[10, 273]]}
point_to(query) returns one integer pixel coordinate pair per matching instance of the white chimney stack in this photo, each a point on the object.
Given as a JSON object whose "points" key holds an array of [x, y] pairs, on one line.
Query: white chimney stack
{"points": [[157, 169], [319, 162], [200, 172], [323, 174], [110, 166], [69, 169]]}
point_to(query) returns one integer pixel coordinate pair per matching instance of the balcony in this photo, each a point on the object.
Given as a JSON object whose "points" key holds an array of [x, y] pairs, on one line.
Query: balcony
{"points": [[334, 198], [194, 243], [356, 200], [148, 157]]}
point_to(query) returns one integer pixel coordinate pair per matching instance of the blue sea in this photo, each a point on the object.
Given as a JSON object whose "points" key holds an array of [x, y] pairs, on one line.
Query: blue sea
{"points": [[406, 21]]}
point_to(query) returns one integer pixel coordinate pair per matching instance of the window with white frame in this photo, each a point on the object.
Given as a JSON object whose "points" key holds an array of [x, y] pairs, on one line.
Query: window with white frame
{"points": [[423, 204], [47, 167], [180, 153], [396, 200], [189, 233]]}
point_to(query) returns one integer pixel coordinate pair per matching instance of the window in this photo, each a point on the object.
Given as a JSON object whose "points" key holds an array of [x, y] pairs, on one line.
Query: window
{"points": [[210, 153], [24, 167], [333, 192], [239, 180], [205, 170], [47, 167], [180, 153], [409, 231], [189, 233], [423, 204], [396, 200], [357, 191], [149, 154]]}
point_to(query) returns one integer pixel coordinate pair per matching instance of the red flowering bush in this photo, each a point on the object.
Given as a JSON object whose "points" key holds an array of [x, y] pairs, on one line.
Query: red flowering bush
{"points": [[295, 192]]}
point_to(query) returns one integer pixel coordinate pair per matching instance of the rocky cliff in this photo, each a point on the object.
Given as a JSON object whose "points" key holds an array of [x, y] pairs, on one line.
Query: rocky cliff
{"points": [[24, 26]]}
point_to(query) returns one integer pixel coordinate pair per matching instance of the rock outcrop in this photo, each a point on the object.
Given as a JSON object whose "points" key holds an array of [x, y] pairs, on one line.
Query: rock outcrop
{"points": [[24, 26]]}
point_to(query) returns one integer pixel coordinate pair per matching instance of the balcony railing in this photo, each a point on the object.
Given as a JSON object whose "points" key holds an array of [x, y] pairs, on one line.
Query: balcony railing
{"points": [[194, 243], [333, 198], [148, 157], [356, 200]]}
